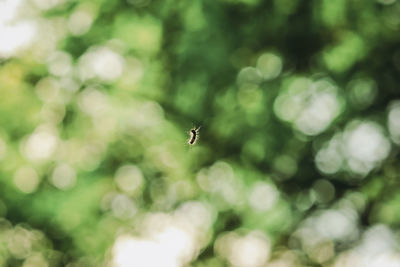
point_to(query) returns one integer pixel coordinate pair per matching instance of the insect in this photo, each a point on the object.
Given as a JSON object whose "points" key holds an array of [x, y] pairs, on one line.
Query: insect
{"points": [[194, 135]]}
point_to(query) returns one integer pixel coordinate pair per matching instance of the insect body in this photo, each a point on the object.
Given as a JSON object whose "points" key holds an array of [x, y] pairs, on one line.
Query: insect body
{"points": [[194, 135]]}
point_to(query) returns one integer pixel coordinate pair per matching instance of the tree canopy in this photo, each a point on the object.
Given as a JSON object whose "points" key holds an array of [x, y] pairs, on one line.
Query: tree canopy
{"points": [[296, 162]]}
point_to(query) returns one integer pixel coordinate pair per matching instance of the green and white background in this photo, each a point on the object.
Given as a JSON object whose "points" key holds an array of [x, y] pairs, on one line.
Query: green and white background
{"points": [[298, 158]]}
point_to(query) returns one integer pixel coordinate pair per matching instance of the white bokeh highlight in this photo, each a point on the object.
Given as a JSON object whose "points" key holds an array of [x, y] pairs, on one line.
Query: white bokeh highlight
{"points": [[361, 147], [81, 19], [250, 250], [263, 196], [269, 65], [102, 63], [26, 179], [63, 176], [15, 34], [41, 144], [166, 239], [310, 106], [129, 178], [365, 145], [378, 247]]}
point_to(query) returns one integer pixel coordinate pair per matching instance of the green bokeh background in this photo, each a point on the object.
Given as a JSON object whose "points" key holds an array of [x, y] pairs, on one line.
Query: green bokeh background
{"points": [[119, 89]]}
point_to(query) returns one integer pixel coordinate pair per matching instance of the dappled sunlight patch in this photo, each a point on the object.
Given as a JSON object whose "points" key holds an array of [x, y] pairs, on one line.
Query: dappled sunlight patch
{"points": [[25, 244], [165, 239], [83, 154], [52, 113], [60, 63], [359, 149], [329, 159], [249, 75], [296, 159], [48, 89], [15, 37], [49, 32], [129, 178], [263, 196], [378, 247], [123, 206], [81, 19], [120, 206], [365, 146], [310, 106], [220, 181], [9, 9], [269, 65], [26, 179], [102, 63], [41, 144], [63, 176], [319, 233], [93, 102], [251, 250], [15, 34]]}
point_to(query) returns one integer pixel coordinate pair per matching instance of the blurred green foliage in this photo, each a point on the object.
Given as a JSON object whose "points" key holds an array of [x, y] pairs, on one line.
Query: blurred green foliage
{"points": [[297, 161]]}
